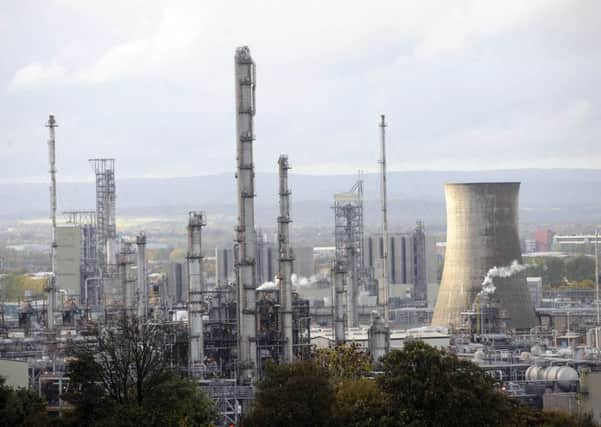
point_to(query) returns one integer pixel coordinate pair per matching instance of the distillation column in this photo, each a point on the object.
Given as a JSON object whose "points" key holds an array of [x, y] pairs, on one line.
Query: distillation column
{"points": [[339, 297], [124, 260], [383, 299], [245, 231], [286, 258], [51, 287], [196, 289], [141, 273]]}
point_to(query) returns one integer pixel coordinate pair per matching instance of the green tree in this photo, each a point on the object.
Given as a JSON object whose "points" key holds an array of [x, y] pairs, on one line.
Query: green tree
{"points": [[361, 403], [21, 407], [526, 417], [292, 395], [124, 379], [344, 361], [580, 268], [429, 387], [13, 286]]}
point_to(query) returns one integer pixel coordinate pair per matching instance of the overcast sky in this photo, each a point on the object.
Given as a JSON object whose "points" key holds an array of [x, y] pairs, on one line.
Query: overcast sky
{"points": [[464, 84]]}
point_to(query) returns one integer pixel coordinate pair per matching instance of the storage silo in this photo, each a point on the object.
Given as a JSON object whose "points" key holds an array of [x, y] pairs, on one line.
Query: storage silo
{"points": [[482, 232]]}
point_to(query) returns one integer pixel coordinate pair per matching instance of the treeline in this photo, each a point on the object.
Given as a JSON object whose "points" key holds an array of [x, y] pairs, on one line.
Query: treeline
{"points": [[418, 386], [13, 286], [555, 272]]}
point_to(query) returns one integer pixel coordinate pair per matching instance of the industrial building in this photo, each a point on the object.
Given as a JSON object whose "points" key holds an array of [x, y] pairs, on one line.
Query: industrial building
{"points": [[482, 237], [267, 263], [583, 244], [412, 259]]}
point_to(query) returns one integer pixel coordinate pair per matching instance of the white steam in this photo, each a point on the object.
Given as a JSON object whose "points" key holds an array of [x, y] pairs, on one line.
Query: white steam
{"points": [[268, 286], [300, 281], [488, 286]]}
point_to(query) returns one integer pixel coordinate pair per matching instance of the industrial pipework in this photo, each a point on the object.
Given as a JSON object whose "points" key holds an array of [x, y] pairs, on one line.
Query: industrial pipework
{"points": [[286, 257], [51, 287], [383, 299], [196, 290], [141, 274], [245, 231]]}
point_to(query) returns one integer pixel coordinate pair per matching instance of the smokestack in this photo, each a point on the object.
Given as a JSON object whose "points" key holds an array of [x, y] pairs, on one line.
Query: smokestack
{"points": [[51, 287], [142, 280], [245, 231], [482, 233], [339, 321], [383, 299], [196, 289], [285, 259]]}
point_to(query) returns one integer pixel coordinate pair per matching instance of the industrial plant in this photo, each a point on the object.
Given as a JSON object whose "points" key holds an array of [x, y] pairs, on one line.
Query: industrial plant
{"points": [[266, 299]]}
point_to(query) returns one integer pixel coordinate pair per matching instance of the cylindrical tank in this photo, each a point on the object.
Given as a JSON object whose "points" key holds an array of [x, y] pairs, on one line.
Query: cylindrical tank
{"points": [[482, 232]]}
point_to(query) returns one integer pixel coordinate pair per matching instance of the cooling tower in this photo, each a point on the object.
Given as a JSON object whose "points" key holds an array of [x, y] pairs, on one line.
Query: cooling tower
{"points": [[482, 232]]}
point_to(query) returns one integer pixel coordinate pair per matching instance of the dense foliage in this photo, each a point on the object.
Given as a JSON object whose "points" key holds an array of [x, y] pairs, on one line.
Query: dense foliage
{"points": [[21, 407], [124, 379], [418, 386], [297, 394], [13, 286], [431, 387], [344, 362], [563, 271]]}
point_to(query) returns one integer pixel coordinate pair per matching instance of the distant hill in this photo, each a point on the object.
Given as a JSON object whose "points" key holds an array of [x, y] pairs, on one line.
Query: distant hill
{"points": [[547, 196]]}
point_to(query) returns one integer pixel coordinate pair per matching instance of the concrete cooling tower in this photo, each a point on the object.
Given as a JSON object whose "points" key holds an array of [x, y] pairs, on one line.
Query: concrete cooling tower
{"points": [[482, 233]]}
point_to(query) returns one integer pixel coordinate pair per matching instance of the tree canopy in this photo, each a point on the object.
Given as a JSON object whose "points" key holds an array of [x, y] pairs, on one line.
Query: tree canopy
{"points": [[21, 407], [420, 386], [292, 395], [125, 379], [431, 387]]}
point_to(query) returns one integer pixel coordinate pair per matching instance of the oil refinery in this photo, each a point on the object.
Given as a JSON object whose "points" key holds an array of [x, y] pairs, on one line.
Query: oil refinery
{"points": [[265, 299]]}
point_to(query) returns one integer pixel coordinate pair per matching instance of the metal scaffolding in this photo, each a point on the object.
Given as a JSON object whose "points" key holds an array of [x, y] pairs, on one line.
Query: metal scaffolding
{"points": [[348, 235], [106, 232]]}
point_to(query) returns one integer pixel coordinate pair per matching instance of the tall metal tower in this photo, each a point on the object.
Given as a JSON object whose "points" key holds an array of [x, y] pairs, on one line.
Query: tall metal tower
{"points": [[286, 257], [142, 277], [196, 291], [339, 312], [245, 231], [124, 260], [51, 287], [348, 236], [384, 287], [105, 210], [106, 232]]}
